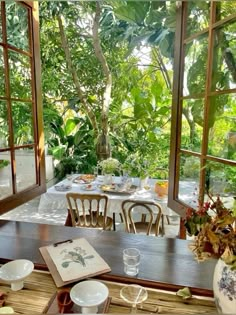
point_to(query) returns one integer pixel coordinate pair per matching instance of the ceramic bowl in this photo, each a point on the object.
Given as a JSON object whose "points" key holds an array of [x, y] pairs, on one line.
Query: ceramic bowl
{"points": [[14, 272], [89, 295]]}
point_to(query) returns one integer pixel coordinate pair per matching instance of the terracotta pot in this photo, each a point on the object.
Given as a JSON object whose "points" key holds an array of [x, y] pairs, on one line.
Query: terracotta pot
{"points": [[161, 188]]}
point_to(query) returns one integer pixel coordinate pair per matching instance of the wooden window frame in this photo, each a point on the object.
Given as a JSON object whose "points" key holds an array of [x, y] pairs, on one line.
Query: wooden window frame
{"points": [[18, 198], [173, 201]]}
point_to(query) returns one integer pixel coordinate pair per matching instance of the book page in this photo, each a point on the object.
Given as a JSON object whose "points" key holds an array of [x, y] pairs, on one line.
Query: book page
{"points": [[76, 259]]}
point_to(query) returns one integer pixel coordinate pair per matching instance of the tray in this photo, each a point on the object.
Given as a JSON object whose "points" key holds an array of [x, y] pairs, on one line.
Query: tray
{"points": [[117, 189], [52, 307]]}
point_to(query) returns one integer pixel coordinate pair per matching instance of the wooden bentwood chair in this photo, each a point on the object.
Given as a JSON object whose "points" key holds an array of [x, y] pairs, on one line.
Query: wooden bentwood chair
{"points": [[150, 213], [89, 211]]}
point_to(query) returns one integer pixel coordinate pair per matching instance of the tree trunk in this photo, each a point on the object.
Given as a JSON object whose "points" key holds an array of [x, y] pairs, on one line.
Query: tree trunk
{"points": [[103, 147]]}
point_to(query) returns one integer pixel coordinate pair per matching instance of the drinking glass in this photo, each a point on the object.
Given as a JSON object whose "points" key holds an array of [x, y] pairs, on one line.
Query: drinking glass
{"points": [[131, 259], [95, 172], [133, 294]]}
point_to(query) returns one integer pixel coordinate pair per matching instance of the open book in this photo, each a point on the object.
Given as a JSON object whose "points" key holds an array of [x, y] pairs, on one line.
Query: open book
{"points": [[73, 260]]}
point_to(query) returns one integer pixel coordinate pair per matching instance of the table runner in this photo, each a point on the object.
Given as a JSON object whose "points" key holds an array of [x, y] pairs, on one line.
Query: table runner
{"points": [[39, 288]]}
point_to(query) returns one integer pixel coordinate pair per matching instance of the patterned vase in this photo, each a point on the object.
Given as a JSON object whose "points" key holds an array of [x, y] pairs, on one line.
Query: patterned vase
{"points": [[224, 287]]}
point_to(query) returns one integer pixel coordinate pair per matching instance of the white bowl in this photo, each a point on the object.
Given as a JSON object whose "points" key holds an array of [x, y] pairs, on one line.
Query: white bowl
{"points": [[88, 295], [14, 272]]}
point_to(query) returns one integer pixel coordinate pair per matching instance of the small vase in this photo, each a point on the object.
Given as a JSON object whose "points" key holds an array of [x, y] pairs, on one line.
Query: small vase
{"points": [[143, 182], [224, 287], [108, 179]]}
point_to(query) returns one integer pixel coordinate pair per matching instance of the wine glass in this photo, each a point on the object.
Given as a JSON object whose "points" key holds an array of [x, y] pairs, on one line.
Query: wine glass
{"points": [[133, 294]]}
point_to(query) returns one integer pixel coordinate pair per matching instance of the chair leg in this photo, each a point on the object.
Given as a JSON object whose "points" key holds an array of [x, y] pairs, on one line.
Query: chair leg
{"points": [[68, 219], [162, 225], [143, 218], [121, 218], [167, 219], [114, 220]]}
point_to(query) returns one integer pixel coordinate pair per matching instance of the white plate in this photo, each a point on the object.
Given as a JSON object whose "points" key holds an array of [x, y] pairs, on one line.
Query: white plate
{"points": [[88, 187]]}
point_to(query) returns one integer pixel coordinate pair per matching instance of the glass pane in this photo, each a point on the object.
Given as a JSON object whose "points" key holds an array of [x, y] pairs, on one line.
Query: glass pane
{"points": [[224, 69], [192, 124], [17, 25], [4, 131], [195, 66], [20, 75], [198, 16], [5, 175], [189, 179], [224, 9], [25, 168], [23, 130], [2, 73], [221, 179], [222, 123]]}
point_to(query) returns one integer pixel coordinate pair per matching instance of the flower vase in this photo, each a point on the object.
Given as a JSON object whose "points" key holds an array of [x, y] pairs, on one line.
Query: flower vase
{"points": [[224, 287], [143, 182], [108, 179]]}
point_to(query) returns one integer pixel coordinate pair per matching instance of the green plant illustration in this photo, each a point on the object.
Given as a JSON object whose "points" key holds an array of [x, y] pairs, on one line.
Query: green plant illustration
{"points": [[79, 256]]}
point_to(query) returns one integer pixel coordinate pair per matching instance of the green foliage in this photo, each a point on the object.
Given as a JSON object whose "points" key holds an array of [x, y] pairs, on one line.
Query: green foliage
{"points": [[67, 165], [4, 163], [140, 110]]}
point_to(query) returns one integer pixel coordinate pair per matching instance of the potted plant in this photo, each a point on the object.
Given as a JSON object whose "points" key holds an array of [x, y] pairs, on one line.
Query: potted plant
{"points": [[161, 188], [214, 229]]}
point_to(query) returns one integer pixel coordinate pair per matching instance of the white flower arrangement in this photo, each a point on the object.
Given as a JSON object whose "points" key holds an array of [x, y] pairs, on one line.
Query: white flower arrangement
{"points": [[109, 165]]}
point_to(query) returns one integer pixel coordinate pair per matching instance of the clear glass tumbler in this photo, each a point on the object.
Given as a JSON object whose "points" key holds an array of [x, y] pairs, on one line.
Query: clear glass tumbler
{"points": [[131, 259]]}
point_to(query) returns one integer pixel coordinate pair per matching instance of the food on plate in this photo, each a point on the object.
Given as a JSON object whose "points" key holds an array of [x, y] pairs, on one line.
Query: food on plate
{"points": [[108, 187], [85, 178]]}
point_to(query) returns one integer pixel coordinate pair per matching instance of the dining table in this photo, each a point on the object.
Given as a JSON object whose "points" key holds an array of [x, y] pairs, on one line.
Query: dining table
{"points": [[56, 199], [166, 263]]}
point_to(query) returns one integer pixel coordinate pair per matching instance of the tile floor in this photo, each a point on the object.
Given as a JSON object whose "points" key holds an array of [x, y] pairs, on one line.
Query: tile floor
{"points": [[28, 212]]}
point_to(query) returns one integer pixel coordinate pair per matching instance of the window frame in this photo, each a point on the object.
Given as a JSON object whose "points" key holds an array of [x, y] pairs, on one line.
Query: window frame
{"points": [[18, 198], [177, 101]]}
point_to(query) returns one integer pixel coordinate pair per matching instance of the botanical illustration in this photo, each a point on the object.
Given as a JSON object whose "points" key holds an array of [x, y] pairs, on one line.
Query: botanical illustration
{"points": [[76, 259], [77, 255]]}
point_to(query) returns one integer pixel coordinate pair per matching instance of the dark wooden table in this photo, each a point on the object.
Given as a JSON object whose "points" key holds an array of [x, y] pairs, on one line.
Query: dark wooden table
{"points": [[166, 263]]}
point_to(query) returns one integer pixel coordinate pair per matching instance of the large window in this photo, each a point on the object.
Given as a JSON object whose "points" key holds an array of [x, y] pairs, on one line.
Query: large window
{"points": [[203, 152], [21, 133]]}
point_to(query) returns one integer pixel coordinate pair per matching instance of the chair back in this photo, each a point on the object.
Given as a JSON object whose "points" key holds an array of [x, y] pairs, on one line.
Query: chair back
{"points": [[89, 210], [150, 213]]}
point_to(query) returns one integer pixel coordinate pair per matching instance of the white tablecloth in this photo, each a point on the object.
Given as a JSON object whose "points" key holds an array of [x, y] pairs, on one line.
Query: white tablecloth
{"points": [[56, 200]]}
